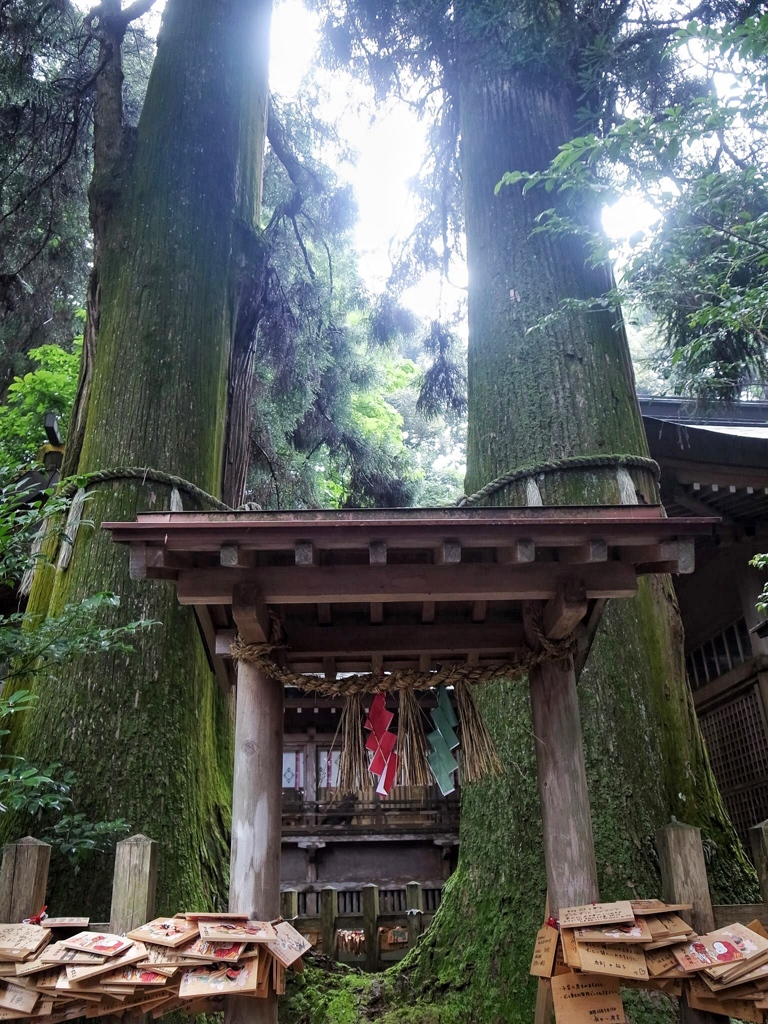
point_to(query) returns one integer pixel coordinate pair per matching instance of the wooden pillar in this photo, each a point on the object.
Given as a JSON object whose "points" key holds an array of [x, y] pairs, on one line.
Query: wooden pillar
{"points": [[289, 904], [23, 879], [134, 884], [684, 873], [758, 835], [254, 885], [414, 904], [329, 911], [684, 880], [371, 926], [569, 852]]}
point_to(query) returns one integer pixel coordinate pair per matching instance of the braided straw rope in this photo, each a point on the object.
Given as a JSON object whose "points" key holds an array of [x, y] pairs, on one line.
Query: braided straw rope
{"points": [[143, 474], [559, 466], [261, 655]]}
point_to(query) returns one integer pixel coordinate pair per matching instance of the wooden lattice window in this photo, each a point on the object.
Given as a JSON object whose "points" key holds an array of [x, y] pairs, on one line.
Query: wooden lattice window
{"points": [[737, 741]]}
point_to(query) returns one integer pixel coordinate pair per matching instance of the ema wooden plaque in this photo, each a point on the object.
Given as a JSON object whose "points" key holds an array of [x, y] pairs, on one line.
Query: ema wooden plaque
{"points": [[597, 913], [586, 999], [637, 931], [570, 948], [619, 961], [660, 961], [544, 952]]}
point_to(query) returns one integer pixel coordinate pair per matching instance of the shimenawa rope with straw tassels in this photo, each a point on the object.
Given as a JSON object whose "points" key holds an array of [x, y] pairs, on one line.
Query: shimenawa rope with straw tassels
{"points": [[479, 756]]}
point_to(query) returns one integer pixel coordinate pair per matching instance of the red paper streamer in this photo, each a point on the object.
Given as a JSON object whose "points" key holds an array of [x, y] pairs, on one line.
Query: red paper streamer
{"points": [[381, 743]]}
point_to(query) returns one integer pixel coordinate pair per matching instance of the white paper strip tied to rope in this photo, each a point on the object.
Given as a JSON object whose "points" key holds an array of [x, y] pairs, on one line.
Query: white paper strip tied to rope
{"points": [[69, 536]]}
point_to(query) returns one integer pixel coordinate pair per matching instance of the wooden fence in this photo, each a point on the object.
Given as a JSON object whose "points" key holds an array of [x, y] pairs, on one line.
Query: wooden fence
{"points": [[370, 912], [24, 879], [370, 917]]}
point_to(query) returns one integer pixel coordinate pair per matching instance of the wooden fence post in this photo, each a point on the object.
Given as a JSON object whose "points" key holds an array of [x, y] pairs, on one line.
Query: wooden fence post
{"points": [[329, 911], [23, 879], [684, 880], [684, 872], [544, 1005], [289, 904], [371, 926], [758, 835], [414, 903], [134, 885]]}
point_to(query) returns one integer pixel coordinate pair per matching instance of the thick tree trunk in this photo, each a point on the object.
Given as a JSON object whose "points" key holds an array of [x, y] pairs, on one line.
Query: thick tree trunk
{"points": [[533, 397], [148, 735]]}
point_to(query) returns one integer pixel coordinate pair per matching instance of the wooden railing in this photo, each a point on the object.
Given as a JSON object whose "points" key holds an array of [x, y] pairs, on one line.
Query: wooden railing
{"points": [[360, 816], [369, 915]]}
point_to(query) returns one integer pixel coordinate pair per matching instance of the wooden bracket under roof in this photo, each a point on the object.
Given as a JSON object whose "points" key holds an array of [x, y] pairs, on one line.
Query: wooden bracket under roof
{"points": [[405, 588]]}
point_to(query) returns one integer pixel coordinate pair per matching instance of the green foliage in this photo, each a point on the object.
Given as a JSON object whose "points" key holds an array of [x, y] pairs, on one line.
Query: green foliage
{"points": [[30, 644], [701, 270], [77, 838], [328, 355], [761, 562], [50, 387], [46, 64]]}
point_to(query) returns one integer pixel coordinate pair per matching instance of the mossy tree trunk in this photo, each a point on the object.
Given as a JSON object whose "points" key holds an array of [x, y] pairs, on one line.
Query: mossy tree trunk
{"points": [[175, 210], [565, 390]]}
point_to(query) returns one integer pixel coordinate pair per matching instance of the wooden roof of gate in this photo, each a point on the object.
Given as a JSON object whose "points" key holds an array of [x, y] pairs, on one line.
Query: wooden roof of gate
{"points": [[403, 588]]}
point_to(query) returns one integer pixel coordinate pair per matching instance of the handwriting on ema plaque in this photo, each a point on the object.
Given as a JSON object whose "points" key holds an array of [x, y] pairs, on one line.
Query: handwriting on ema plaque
{"points": [[587, 1000], [597, 913]]}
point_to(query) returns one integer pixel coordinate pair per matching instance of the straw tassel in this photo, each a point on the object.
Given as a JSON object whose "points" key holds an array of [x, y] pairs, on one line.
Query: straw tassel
{"points": [[627, 490], [69, 536], [353, 762], [532, 492], [177, 505], [413, 767], [479, 757]]}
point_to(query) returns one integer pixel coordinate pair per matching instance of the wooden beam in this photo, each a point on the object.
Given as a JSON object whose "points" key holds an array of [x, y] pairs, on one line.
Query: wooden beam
{"points": [[564, 611], [149, 561], [428, 611], [222, 669], [376, 612], [697, 506], [520, 551], [250, 613], [377, 552], [234, 557], [479, 611], [304, 553], [447, 553], [677, 556], [587, 635], [345, 584], [137, 561], [592, 551], [409, 641]]}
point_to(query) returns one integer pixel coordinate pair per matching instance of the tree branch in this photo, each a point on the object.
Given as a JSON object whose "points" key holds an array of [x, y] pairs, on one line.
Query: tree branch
{"points": [[302, 176], [137, 9]]}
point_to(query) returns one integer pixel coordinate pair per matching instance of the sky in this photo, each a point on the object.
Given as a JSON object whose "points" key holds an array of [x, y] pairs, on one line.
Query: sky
{"points": [[390, 150], [390, 143]]}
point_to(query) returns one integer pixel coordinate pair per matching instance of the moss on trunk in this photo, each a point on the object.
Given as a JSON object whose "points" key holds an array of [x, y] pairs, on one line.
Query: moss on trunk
{"points": [[148, 734], [533, 397]]}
